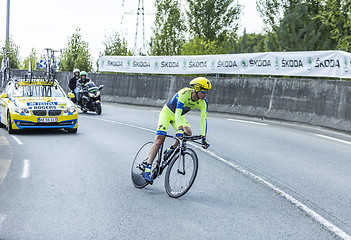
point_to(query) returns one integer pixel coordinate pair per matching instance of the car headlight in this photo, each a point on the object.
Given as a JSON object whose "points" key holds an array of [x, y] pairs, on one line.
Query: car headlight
{"points": [[21, 110], [70, 110]]}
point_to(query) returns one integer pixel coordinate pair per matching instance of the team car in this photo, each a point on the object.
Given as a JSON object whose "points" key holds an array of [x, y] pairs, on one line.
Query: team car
{"points": [[36, 103]]}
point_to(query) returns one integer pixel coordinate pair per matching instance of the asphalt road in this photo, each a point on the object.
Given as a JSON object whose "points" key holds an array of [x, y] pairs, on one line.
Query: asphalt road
{"points": [[259, 180]]}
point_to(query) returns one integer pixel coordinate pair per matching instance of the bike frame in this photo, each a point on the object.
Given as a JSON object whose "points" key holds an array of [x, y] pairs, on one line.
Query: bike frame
{"points": [[161, 165]]}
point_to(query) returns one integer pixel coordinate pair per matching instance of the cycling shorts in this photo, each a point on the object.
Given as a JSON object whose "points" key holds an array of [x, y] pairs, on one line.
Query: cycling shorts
{"points": [[167, 117]]}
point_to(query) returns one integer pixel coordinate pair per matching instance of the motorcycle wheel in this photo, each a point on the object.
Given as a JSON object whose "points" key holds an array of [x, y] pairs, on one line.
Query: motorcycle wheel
{"points": [[98, 109]]}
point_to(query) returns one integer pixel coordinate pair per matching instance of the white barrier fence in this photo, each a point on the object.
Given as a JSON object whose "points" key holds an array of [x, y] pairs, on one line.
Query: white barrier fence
{"points": [[334, 64]]}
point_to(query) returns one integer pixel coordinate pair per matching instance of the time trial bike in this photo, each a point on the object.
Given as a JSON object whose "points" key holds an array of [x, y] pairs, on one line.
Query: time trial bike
{"points": [[182, 166]]}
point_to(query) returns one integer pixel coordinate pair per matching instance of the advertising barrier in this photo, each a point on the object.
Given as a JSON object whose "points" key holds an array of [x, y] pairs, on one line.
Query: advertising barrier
{"points": [[334, 64]]}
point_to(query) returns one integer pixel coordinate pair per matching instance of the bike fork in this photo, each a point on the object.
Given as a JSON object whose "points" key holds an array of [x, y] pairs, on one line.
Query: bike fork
{"points": [[181, 164]]}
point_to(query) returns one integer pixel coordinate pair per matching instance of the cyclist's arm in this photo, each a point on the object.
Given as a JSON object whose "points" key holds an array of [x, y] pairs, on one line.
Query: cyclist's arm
{"points": [[182, 96], [203, 117], [178, 115]]}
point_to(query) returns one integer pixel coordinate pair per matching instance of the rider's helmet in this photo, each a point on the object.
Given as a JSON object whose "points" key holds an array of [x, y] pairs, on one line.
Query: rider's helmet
{"points": [[76, 70], [200, 83], [83, 73]]}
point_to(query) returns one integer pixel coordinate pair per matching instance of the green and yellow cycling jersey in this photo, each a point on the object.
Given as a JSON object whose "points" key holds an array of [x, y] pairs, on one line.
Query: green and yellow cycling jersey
{"points": [[174, 110]]}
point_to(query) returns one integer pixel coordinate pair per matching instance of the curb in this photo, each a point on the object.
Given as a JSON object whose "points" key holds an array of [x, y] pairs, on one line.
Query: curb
{"points": [[5, 157]]}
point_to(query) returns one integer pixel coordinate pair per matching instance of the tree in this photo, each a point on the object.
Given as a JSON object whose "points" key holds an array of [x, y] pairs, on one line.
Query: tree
{"points": [[336, 14], [293, 25], [300, 30], [32, 58], [169, 31], [200, 46], [115, 46], [271, 12], [76, 55], [249, 43], [13, 54], [213, 19]]}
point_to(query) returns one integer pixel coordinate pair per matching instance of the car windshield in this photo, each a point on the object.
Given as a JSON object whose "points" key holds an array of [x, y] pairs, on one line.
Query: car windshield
{"points": [[37, 91]]}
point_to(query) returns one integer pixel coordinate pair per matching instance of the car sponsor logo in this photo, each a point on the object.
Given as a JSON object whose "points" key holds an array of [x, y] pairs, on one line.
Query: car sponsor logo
{"points": [[42, 105]]}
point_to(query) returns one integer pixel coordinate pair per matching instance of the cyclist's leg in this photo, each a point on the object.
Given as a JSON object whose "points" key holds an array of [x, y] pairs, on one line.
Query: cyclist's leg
{"points": [[164, 119], [155, 147]]}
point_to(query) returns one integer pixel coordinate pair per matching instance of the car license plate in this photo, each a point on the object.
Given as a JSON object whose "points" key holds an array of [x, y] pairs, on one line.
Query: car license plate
{"points": [[47, 120]]}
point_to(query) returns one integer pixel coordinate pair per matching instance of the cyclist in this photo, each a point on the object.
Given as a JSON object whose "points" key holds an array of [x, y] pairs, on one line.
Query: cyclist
{"points": [[80, 84], [73, 83], [173, 112]]}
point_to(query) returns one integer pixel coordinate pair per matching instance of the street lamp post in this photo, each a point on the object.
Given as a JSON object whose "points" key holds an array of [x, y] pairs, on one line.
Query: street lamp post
{"points": [[8, 21]]}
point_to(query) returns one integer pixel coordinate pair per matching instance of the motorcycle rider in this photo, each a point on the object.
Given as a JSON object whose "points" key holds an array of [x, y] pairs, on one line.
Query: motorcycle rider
{"points": [[80, 85], [73, 84]]}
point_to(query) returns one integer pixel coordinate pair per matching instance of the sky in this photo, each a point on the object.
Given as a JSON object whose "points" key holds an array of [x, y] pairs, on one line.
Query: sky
{"points": [[44, 24]]}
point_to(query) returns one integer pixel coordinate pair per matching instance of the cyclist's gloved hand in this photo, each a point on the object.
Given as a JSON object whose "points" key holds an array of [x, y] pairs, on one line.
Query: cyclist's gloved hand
{"points": [[180, 133], [205, 143]]}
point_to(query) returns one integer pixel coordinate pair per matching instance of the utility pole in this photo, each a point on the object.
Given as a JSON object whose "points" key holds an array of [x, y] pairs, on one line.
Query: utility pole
{"points": [[139, 11], [8, 22]]}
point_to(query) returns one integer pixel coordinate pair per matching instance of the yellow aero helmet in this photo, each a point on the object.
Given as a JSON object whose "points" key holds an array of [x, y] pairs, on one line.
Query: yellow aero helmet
{"points": [[200, 83]]}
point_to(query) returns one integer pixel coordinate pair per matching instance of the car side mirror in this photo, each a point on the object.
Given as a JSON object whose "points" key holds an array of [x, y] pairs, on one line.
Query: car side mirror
{"points": [[101, 87], [3, 95], [70, 95]]}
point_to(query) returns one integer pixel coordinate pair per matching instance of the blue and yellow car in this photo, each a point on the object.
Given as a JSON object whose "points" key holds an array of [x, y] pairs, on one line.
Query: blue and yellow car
{"points": [[36, 103]]}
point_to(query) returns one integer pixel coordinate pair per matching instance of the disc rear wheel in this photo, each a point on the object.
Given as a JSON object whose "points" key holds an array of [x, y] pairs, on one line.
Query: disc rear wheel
{"points": [[139, 164]]}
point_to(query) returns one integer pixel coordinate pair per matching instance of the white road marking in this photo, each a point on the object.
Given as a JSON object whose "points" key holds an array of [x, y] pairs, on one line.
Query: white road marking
{"points": [[250, 122], [331, 138], [19, 142], [26, 167], [318, 218], [122, 123]]}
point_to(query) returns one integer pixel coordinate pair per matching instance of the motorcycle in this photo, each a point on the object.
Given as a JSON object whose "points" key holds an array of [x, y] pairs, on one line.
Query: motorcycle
{"points": [[91, 99]]}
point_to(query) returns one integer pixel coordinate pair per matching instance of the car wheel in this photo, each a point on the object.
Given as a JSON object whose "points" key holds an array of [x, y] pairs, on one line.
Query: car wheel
{"points": [[9, 125]]}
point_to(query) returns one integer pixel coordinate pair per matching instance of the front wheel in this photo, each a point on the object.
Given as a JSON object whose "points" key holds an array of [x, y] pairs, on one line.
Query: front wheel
{"points": [[181, 173], [139, 164], [98, 109], [9, 124]]}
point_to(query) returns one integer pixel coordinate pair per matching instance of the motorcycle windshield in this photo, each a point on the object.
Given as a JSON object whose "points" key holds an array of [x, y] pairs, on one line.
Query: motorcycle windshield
{"points": [[91, 87]]}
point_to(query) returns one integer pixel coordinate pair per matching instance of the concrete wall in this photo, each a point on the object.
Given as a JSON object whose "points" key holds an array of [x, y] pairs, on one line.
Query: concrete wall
{"points": [[317, 102]]}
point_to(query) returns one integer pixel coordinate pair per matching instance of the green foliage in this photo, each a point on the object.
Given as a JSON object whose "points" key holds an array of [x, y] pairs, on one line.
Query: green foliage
{"points": [[115, 46], [248, 43], [199, 46], [336, 14], [212, 25], [169, 31], [271, 12], [213, 19], [32, 58], [76, 55], [13, 54], [295, 25], [300, 31]]}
